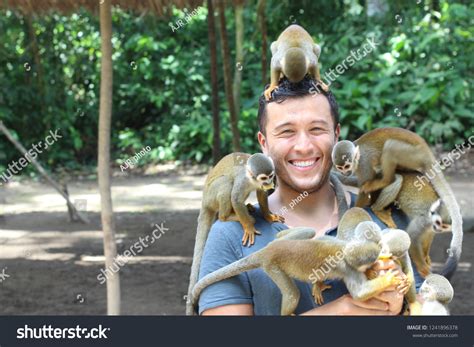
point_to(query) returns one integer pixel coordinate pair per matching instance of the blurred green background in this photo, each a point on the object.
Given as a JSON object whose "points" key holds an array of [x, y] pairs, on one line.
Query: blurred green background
{"points": [[420, 77]]}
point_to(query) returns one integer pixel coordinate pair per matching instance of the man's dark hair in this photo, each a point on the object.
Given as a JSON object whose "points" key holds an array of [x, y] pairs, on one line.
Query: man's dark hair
{"points": [[287, 89]]}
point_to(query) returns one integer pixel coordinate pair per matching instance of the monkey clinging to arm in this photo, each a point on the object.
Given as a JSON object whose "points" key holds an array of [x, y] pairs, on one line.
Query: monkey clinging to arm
{"points": [[287, 259], [392, 149], [294, 55], [226, 189]]}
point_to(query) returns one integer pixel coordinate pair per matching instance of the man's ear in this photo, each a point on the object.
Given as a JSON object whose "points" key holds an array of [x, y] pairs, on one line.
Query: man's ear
{"points": [[263, 142], [337, 132]]}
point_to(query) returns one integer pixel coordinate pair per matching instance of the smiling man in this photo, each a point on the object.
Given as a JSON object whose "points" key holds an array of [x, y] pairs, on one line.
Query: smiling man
{"points": [[298, 129]]}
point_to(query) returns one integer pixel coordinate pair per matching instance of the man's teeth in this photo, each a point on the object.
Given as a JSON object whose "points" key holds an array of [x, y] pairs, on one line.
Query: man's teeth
{"points": [[303, 163]]}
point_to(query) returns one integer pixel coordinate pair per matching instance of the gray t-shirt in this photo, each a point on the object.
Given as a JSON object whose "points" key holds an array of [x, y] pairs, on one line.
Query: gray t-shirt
{"points": [[255, 287]]}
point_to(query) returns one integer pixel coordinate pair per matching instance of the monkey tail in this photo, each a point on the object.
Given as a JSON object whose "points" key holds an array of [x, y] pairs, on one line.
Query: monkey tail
{"points": [[205, 221], [446, 194], [250, 262], [340, 194]]}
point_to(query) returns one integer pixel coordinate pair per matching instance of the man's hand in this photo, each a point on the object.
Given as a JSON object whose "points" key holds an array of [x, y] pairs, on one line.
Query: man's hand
{"points": [[392, 297]]}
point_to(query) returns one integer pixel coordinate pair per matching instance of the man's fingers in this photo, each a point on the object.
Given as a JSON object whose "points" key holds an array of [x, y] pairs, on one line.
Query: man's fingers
{"points": [[389, 296], [362, 311], [372, 304]]}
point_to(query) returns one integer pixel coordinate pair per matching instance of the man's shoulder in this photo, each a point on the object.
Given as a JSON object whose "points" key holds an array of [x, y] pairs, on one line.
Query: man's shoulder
{"points": [[230, 234]]}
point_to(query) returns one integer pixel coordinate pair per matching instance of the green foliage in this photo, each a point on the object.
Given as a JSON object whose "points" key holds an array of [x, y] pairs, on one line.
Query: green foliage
{"points": [[418, 77]]}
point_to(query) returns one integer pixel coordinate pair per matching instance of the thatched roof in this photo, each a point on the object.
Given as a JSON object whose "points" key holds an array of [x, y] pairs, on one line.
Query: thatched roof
{"points": [[157, 7]]}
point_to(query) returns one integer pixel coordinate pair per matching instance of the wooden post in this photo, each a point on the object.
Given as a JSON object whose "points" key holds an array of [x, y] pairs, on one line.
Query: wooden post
{"points": [[103, 170]]}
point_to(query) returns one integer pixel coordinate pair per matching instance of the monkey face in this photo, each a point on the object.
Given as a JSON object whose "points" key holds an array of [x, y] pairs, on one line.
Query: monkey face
{"points": [[261, 171], [345, 157], [266, 181], [440, 225]]}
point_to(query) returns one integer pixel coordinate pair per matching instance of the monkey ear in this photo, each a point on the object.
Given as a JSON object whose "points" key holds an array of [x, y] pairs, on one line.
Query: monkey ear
{"points": [[435, 206], [356, 154], [274, 47], [317, 50]]}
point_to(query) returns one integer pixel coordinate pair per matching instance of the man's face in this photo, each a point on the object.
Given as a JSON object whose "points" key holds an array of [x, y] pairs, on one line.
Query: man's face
{"points": [[299, 138]]}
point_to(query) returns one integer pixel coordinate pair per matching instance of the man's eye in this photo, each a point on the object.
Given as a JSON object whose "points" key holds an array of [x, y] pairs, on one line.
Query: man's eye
{"points": [[317, 129], [286, 131]]}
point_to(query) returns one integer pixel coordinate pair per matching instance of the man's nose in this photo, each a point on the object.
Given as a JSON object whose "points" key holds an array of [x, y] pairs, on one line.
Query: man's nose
{"points": [[303, 143]]}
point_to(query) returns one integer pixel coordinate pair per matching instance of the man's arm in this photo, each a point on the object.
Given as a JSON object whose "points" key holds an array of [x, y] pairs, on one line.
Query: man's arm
{"points": [[227, 297], [230, 310], [389, 302]]}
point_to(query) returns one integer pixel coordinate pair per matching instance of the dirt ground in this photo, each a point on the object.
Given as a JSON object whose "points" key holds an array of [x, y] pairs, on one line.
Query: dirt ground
{"points": [[51, 265]]}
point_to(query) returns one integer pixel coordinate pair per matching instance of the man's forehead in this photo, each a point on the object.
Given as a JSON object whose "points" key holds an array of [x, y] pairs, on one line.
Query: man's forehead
{"points": [[308, 109]]}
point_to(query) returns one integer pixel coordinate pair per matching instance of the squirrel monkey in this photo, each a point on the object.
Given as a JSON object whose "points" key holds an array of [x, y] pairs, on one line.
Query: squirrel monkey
{"points": [[392, 149], [395, 245], [284, 259], [226, 189], [357, 224], [427, 213], [294, 54], [437, 293]]}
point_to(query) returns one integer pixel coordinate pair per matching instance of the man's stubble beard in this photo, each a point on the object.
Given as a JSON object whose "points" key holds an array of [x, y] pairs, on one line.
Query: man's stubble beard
{"points": [[282, 180]]}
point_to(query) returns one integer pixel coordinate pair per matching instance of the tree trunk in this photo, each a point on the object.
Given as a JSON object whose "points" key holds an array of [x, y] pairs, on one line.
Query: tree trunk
{"points": [[263, 28], [105, 117], [211, 33], [228, 77], [239, 52], [34, 49]]}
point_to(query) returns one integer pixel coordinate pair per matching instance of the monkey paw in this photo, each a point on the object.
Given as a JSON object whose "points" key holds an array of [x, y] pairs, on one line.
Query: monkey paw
{"points": [[318, 298], [324, 86], [271, 218], [249, 236], [404, 285], [392, 278], [317, 290], [269, 90]]}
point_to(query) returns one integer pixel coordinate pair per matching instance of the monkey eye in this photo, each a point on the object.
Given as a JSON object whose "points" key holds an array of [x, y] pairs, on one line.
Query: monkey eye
{"points": [[271, 176], [347, 166], [262, 177], [339, 167]]}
